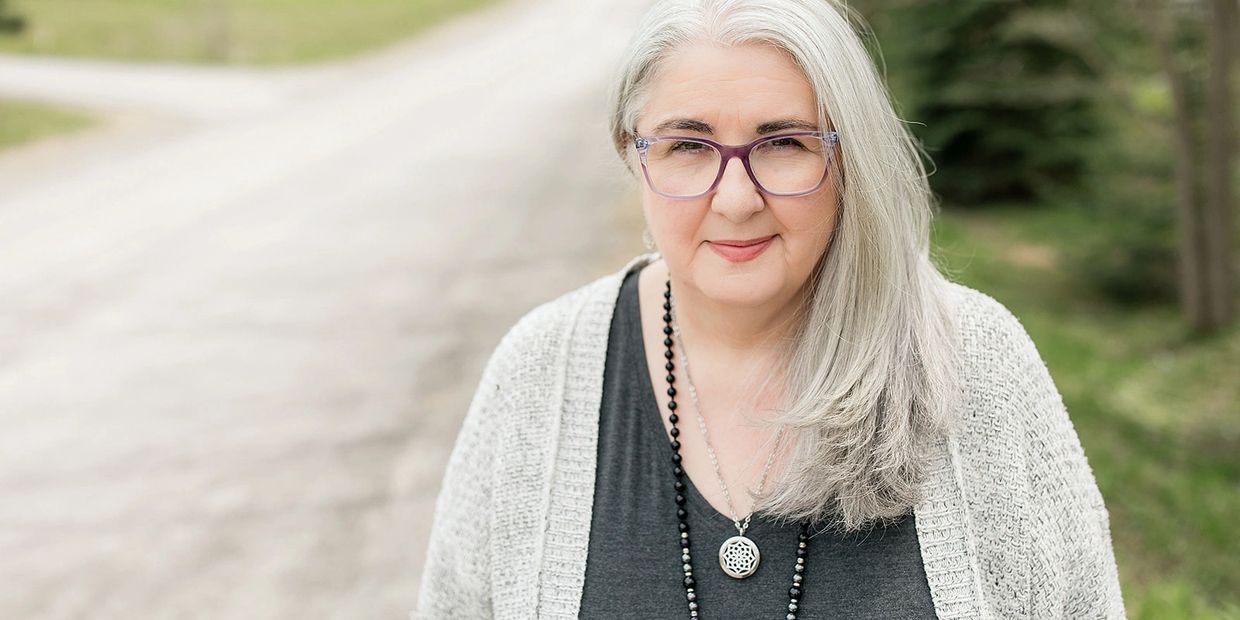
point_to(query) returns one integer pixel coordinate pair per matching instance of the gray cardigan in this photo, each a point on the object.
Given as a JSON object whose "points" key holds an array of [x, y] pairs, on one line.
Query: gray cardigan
{"points": [[1012, 524]]}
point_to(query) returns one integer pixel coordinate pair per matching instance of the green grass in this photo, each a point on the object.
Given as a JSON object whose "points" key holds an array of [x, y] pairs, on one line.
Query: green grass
{"points": [[22, 122], [222, 31], [1157, 410]]}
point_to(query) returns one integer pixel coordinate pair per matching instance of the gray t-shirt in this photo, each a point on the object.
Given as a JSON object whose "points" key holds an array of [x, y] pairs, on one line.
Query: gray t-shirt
{"points": [[633, 569]]}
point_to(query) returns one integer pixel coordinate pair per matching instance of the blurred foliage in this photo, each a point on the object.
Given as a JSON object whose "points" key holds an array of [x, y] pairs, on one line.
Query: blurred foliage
{"points": [[222, 31], [22, 121], [1003, 92], [1056, 102], [10, 23], [1129, 201]]}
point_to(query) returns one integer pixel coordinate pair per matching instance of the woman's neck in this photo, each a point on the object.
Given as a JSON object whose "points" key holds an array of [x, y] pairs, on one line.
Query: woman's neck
{"points": [[728, 343]]}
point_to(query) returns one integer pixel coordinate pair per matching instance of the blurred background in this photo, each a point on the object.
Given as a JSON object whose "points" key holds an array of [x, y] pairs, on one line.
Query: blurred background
{"points": [[254, 253]]}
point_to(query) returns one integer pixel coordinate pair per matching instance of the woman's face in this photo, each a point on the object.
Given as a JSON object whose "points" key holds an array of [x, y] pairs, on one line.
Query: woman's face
{"points": [[730, 92]]}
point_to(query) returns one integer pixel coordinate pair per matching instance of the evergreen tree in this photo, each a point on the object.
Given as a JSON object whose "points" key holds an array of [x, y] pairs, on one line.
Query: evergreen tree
{"points": [[1000, 92]]}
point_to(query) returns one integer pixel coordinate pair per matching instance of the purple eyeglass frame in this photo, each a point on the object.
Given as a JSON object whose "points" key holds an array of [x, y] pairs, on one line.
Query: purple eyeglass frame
{"points": [[728, 151]]}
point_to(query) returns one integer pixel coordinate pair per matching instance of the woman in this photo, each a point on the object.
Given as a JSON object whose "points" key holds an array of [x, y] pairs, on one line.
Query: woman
{"points": [[854, 436]]}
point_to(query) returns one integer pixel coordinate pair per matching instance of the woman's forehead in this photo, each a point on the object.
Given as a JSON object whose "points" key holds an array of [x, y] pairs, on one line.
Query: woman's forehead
{"points": [[751, 86]]}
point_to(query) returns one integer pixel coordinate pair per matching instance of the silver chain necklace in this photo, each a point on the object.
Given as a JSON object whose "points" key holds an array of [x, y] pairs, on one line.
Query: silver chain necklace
{"points": [[738, 555]]}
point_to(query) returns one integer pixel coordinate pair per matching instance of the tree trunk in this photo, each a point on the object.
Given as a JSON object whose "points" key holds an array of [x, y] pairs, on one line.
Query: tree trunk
{"points": [[1159, 23], [1217, 209]]}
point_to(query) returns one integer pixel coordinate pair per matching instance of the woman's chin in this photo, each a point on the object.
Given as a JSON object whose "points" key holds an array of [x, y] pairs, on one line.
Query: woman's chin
{"points": [[741, 291]]}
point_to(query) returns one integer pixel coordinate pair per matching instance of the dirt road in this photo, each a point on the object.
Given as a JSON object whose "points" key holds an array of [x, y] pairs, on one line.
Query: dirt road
{"points": [[236, 342]]}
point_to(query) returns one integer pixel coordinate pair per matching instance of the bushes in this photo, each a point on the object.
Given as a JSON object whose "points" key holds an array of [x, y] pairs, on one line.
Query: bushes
{"points": [[9, 23]]}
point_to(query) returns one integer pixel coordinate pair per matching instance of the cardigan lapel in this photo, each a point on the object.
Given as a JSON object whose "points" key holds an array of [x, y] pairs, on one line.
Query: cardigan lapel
{"points": [[945, 536], [566, 538]]}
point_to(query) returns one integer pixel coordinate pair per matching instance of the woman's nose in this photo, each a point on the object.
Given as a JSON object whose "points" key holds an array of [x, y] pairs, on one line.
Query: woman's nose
{"points": [[736, 198]]}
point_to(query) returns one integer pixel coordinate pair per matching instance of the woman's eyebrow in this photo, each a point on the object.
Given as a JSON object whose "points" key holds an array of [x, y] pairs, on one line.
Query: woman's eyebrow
{"points": [[697, 126], [787, 123]]}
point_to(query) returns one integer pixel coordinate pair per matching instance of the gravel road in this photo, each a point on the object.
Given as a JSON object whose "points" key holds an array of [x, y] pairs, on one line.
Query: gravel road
{"points": [[239, 328]]}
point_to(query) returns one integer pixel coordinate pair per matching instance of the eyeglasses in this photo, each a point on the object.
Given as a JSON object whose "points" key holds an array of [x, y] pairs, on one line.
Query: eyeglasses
{"points": [[790, 164]]}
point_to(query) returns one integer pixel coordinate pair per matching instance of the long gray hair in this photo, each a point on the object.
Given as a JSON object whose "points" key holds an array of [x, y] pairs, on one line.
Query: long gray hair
{"points": [[871, 375]]}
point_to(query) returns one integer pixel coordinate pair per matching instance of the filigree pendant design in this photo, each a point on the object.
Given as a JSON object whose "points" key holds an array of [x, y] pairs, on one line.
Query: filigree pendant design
{"points": [[738, 557]]}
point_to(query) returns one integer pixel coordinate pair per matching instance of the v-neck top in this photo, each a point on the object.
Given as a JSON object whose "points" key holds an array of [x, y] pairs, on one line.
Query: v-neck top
{"points": [[634, 567]]}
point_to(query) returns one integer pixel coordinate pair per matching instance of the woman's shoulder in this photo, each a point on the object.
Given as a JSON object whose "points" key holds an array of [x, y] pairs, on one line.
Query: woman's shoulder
{"points": [[540, 339], [991, 336], [1006, 384]]}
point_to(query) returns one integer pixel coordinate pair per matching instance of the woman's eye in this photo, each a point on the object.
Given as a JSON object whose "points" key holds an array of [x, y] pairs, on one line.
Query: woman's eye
{"points": [[786, 142], [686, 146]]}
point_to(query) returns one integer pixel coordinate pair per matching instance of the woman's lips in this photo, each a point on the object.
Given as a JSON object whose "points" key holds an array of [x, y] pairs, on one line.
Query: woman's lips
{"points": [[738, 254]]}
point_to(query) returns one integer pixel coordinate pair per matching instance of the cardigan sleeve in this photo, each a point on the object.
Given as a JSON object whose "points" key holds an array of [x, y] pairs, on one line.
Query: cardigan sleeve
{"points": [[1074, 574], [456, 577]]}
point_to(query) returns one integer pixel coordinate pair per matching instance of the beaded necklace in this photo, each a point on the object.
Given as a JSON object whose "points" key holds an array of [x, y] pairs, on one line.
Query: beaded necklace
{"points": [[794, 592]]}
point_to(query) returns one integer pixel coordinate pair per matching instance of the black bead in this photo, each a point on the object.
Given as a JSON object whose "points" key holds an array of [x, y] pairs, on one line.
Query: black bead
{"points": [[689, 582], [678, 471], [668, 354], [802, 537], [671, 405], [673, 418], [802, 553], [684, 527], [668, 293], [684, 543], [671, 391], [676, 458], [680, 500], [669, 367], [678, 485], [681, 514], [667, 342], [671, 378], [675, 445], [667, 305], [667, 329], [794, 592], [667, 317], [675, 432]]}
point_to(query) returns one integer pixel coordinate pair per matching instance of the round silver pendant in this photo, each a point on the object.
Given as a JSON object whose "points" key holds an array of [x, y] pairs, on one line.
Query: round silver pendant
{"points": [[738, 557]]}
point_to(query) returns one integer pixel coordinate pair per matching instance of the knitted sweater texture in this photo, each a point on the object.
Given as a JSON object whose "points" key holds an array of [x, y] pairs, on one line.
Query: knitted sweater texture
{"points": [[1012, 524]]}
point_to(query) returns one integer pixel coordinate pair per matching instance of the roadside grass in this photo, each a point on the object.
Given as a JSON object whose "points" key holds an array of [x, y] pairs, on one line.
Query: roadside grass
{"points": [[247, 32], [252, 32], [1158, 411], [22, 121]]}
